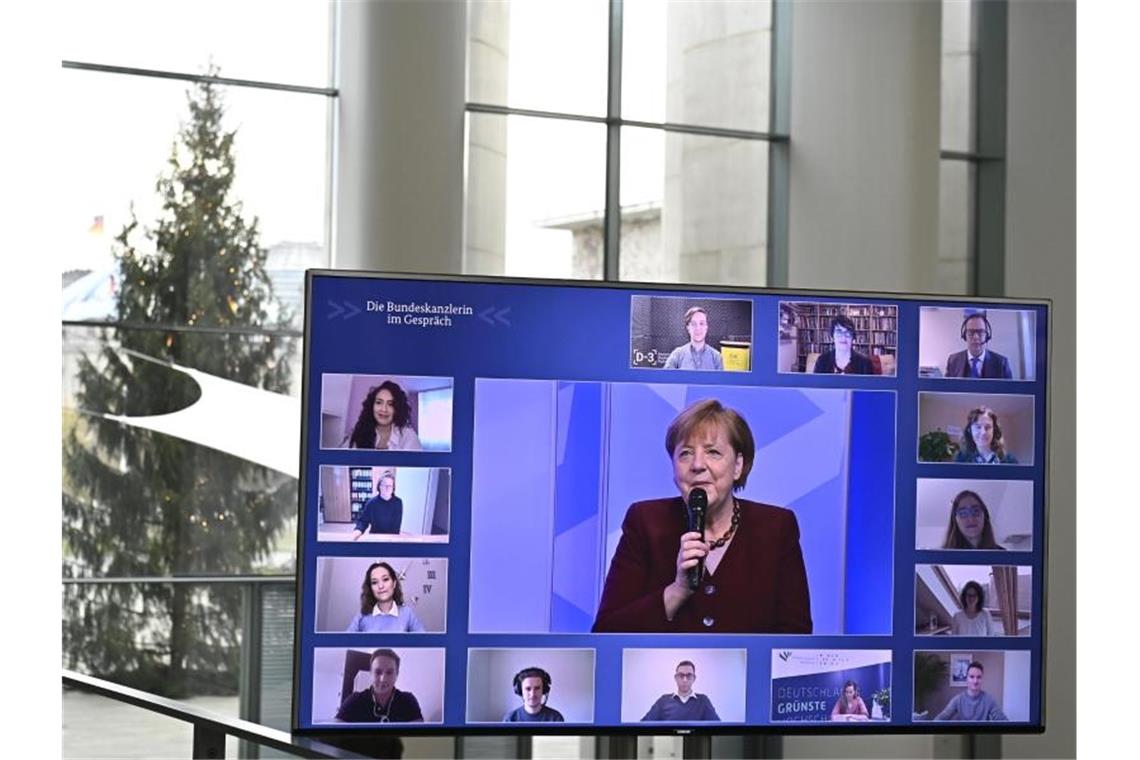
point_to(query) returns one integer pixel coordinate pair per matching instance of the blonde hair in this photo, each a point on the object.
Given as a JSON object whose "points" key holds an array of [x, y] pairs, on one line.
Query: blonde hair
{"points": [[712, 412]]}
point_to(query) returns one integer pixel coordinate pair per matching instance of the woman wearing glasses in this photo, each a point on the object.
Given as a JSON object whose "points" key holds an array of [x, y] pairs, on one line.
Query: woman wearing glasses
{"points": [[841, 358], [970, 526]]}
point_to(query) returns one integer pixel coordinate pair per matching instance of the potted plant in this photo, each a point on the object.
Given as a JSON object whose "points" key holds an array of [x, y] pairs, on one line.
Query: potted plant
{"points": [[930, 672], [882, 704], [936, 446]]}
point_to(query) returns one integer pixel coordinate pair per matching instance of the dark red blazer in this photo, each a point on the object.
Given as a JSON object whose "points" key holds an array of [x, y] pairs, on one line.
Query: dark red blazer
{"points": [[760, 585]]}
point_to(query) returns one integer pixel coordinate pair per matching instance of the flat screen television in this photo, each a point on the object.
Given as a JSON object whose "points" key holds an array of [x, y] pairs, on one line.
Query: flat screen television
{"points": [[630, 508]]}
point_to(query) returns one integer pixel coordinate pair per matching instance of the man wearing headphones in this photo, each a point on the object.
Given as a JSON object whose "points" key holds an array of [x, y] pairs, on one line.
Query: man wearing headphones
{"points": [[533, 685], [977, 360]]}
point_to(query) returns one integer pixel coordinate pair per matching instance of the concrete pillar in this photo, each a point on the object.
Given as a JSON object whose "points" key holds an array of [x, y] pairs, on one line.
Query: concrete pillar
{"points": [[714, 218], [1041, 261], [487, 140], [864, 155], [399, 167]]}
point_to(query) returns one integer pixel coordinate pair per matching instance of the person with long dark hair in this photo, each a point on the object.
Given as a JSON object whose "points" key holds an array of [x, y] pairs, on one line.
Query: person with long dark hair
{"points": [[849, 706], [970, 525], [382, 608], [982, 441], [973, 619], [384, 421]]}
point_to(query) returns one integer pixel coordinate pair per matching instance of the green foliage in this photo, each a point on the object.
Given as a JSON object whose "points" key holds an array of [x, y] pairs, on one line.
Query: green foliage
{"points": [[930, 672], [138, 503], [936, 446]]}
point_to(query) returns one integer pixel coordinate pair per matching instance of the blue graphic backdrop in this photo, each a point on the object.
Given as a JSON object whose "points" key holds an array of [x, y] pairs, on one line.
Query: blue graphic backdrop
{"points": [[606, 440], [810, 697]]}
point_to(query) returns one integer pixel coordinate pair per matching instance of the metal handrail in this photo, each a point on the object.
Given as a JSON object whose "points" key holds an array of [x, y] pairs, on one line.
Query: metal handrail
{"points": [[255, 580], [210, 730]]}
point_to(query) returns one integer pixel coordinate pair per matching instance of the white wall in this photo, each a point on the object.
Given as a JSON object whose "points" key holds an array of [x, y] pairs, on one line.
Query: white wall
{"points": [[1015, 686], [412, 488]]}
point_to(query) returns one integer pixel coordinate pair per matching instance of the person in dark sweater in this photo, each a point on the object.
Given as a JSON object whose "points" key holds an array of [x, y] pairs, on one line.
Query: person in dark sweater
{"points": [[382, 702], [684, 704], [841, 358], [972, 704], [384, 512], [533, 685]]}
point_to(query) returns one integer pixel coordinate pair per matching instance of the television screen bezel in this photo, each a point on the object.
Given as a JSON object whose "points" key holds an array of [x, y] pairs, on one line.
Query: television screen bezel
{"points": [[350, 733]]}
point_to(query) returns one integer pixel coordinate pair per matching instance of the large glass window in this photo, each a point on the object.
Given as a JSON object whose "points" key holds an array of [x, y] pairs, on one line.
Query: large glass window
{"points": [[535, 205], [684, 107], [197, 195], [284, 41], [959, 68], [697, 63], [129, 125], [694, 207], [957, 239], [548, 56]]}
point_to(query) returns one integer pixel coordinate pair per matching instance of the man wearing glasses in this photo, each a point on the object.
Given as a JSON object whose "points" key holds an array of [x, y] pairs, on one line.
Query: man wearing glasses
{"points": [[684, 704], [977, 361], [842, 358]]}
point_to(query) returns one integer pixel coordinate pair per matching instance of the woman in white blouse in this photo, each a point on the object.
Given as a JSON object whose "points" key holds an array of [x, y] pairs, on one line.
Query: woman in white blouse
{"points": [[385, 421], [973, 619]]}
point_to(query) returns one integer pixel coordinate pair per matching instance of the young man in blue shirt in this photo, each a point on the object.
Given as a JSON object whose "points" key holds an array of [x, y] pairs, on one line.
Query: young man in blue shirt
{"points": [[684, 704], [533, 685]]}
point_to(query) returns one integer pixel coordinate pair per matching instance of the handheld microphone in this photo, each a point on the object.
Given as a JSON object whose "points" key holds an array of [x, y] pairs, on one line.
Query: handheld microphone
{"points": [[698, 503]]}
